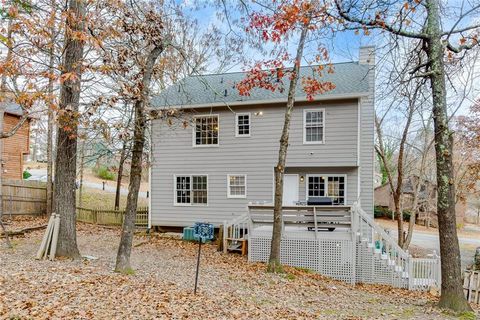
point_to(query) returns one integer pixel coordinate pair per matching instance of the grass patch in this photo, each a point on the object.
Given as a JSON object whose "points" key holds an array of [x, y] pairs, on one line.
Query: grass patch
{"points": [[129, 271], [302, 269], [98, 199], [467, 316], [290, 276]]}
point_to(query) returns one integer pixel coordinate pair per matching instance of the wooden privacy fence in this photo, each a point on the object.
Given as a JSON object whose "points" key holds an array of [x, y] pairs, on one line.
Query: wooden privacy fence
{"points": [[111, 217], [471, 286], [22, 197]]}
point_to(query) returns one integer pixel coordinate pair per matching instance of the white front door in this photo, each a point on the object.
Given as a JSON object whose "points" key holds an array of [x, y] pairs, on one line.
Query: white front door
{"points": [[290, 189]]}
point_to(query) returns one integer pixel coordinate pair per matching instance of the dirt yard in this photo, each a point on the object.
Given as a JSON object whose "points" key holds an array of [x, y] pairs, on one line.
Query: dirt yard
{"points": [[162, 286]]}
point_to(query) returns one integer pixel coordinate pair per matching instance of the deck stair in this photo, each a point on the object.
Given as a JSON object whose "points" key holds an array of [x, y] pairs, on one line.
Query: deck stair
{"points": [[342, 242], [236, 234]]}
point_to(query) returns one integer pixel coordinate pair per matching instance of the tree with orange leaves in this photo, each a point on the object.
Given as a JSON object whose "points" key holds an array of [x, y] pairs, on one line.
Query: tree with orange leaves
{"points": [[276, 26]]}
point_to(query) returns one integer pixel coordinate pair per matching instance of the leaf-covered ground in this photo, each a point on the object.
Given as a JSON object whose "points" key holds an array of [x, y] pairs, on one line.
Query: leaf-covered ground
{"points": [[162, 286]]}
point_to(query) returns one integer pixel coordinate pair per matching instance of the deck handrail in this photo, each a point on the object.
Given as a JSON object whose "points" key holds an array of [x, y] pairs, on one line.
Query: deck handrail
{"points": [[379, 230]]}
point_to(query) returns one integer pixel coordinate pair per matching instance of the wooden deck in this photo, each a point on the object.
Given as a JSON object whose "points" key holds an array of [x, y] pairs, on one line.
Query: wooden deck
{"points": [[342, 242], [306, 222]]}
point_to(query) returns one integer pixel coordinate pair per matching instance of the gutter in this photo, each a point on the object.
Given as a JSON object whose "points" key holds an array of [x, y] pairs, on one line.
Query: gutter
{"points": [[260, 102]]}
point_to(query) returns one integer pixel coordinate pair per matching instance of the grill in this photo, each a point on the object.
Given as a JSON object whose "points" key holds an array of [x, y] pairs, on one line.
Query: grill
{"points": [[319, 201]]}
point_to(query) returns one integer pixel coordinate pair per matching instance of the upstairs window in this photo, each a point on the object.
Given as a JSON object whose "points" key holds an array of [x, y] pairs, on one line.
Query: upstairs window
{"points": [[191, 190], [206, 130], [330, 186], [242, 125], [313, 126], [237, 186]]}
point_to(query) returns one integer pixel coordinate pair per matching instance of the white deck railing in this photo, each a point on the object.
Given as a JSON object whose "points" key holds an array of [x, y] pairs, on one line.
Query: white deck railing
{"points": [[235, 230], [380, 259]]}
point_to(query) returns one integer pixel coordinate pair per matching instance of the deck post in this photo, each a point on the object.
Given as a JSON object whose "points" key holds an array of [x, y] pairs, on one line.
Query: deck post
{"points": [[410, 272], [353, 219], [225, 236], [315, 221]]}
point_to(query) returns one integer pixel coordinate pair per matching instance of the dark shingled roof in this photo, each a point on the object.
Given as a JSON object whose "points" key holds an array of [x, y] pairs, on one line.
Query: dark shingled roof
{"points": [[218, 89]]}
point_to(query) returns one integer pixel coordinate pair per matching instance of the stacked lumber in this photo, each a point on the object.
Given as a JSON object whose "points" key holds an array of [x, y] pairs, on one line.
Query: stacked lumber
{"points": [[48, 247]]}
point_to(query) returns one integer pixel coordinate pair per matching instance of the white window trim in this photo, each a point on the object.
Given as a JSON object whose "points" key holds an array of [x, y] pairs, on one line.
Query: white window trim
{"points": [[230, 196], [237, 135], [326, 187], [191, 185], [305, 122], [194, 126]]}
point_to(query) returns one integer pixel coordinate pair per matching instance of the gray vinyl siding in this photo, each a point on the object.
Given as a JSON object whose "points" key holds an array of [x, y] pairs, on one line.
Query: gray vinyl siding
{"points": [[367, 135], [254, 156]]}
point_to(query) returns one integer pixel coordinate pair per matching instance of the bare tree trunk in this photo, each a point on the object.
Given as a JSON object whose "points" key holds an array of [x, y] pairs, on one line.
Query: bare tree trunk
{"points": [[411, 223], [7, 240], [50, 158], [123, 156], [51, 63], [35, 146], [418, 185], [125, 247], [274, 264], [82, 169], [399, 214], [65, 169], [452, 296]]}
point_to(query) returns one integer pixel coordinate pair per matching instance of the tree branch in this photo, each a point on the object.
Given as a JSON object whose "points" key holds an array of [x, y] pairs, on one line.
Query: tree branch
{"points": [[4, 135], [377, 24]]}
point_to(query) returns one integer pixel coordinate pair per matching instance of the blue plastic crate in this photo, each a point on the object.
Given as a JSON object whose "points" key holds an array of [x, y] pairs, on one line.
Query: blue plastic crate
{"points": [[188, 235]]}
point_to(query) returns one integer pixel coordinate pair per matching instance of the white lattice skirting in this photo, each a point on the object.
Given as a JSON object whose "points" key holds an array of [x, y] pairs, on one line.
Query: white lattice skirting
{"points": [[331, 258]]}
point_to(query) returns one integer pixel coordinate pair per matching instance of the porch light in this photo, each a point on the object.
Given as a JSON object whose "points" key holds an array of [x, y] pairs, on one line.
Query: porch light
{"points": [[259, 113], [302, 178]]}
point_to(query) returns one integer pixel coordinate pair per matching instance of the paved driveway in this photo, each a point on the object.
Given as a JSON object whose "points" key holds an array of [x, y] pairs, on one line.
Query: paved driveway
{"points": [[431, 242]]}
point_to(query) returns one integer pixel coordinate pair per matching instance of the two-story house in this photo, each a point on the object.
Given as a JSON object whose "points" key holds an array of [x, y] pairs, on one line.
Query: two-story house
{"points": [[220, 154]]}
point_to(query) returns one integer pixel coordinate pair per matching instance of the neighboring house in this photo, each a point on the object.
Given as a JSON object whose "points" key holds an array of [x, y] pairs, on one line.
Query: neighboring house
{"points": [[223, 159], [426, 213], [16, 147]]}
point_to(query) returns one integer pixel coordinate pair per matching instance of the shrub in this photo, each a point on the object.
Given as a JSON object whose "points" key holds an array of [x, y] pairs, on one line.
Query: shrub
{"points": [[103, 173], [406, 215], [26, 174], [380, 212]]}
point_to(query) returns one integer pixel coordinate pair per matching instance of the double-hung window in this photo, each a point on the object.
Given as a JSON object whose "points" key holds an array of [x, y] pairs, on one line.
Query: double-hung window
{"points": [[242, 127], [314, 126], [237, 186], [331, 186], [206, 130], [191, 190]]}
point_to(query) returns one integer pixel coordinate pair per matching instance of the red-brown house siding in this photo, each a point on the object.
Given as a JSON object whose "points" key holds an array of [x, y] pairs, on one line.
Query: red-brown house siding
{"points": [[14, 147]]}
